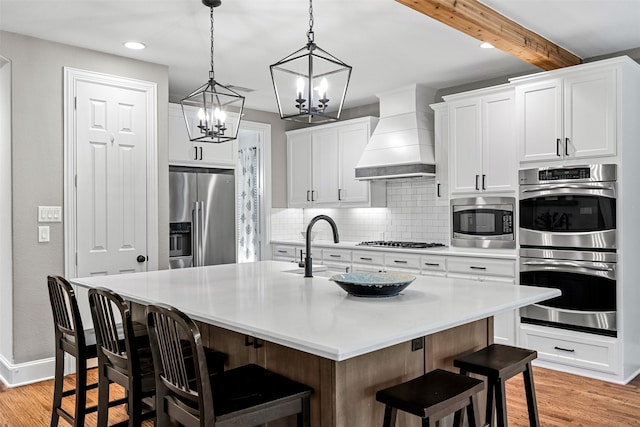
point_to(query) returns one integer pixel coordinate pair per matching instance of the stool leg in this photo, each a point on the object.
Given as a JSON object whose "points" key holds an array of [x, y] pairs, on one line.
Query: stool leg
{"points": [[458, 419], [389, 416], [501, 407], [58, 384], [81, 390], [531, 396], [473, 411], [490, 392]]}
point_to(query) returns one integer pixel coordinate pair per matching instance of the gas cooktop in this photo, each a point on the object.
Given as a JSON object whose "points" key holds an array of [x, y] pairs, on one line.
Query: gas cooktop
{"points": [[396, 244]]}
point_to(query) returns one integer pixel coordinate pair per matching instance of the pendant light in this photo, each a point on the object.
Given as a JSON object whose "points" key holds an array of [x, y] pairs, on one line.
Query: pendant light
{"points": [[212, 112], [310, 84]]}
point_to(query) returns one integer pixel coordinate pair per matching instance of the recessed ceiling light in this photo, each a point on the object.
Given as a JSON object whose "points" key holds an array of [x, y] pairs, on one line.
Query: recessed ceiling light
{"points": [[134, 45], [487, 45]]}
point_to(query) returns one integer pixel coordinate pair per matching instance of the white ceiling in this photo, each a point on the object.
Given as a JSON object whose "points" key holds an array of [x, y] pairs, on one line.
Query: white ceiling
{"points": [[389, 45]]}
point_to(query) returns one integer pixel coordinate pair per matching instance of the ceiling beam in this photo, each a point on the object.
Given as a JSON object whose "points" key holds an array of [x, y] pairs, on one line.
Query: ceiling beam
{"points": [[485, 24]]}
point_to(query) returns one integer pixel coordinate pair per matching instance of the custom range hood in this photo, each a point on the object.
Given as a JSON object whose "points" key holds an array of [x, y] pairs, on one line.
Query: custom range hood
{"points": [[402, 144]]}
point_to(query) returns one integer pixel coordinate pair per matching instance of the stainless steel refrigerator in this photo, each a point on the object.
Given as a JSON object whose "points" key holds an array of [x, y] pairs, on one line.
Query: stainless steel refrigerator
{"points": [[201, 216]]}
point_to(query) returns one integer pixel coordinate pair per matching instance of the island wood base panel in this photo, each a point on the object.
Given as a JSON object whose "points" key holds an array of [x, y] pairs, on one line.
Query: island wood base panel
{"points": [[344, 392]]}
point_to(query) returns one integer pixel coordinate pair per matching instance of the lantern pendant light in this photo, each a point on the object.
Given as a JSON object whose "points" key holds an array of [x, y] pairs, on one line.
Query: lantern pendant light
{"points": [[212, 112], [310, 84]]}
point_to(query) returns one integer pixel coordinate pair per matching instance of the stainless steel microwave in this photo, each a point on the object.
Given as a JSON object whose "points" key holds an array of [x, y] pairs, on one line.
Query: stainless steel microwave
{"points": [[483, 222]]}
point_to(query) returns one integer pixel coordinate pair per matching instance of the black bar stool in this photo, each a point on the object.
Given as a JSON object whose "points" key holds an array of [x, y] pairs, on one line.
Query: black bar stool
{"points": [[499, 363], [433, 396]]}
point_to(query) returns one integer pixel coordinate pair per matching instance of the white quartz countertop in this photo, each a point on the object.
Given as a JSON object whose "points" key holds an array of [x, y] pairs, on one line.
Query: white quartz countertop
{"points": [[314, 315], [447, 250]]}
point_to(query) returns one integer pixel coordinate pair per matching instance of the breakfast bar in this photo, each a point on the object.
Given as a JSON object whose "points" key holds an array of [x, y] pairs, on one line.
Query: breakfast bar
{"points": [[312, 331]]}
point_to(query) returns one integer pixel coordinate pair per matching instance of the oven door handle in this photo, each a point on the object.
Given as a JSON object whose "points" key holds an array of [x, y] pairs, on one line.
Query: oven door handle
{"points": [[606, 190], [566, 264], [587, 268]]}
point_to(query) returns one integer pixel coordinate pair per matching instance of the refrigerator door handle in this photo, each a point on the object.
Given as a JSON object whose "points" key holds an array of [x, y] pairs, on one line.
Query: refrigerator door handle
{"points": [[201, 234], [195, 232]]}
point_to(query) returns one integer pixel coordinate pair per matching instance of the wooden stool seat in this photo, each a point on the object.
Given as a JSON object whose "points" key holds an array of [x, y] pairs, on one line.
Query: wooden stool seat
{"points": [[499, 363], [432, 396]]}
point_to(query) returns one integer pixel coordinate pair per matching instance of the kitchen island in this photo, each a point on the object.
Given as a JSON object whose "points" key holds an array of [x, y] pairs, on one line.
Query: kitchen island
{"points": [[309, 329]]}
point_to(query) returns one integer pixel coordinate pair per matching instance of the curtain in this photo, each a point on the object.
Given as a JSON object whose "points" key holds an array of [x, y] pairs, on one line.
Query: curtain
{"points": [[248, 208]]}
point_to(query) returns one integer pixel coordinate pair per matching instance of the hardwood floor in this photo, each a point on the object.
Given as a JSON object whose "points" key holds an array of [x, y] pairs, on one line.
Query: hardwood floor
{"points": [[563, 400], [30, 405]]}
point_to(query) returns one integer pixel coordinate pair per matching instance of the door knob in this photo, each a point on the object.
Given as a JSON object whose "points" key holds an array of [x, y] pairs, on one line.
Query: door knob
{"points": [[141, 258]]}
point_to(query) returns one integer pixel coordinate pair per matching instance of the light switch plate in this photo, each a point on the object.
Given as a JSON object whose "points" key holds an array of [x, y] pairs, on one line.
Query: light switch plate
{"points": [[49, 214], [43, 234]]}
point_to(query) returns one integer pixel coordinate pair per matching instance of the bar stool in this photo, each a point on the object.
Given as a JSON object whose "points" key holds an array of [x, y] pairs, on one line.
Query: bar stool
{"points": [[498, 363], [70, 339], [433, 396]]}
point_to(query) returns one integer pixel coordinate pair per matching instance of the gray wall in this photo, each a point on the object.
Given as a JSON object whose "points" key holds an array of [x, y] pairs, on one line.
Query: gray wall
{"points": [[37, 107], [6, 282]]}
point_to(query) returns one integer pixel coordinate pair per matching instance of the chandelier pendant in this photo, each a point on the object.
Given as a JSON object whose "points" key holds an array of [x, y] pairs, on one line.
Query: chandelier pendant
{"points": [[212, 113], [303, 80]]}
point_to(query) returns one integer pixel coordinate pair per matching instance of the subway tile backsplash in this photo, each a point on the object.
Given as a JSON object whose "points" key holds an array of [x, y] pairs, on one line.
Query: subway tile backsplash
{"points": [[410, 215]]}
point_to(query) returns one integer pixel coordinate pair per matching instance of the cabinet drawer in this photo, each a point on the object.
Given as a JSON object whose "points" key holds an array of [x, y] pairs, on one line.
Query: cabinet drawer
{"points": [[286, 252], [402, 261], [482, 266], [572, 348], [336, 255], [433, 264], [368, 258]]}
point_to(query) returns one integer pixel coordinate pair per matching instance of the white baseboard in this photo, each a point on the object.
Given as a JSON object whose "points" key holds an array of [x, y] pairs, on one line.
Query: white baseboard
{"points": [[14, 375]]}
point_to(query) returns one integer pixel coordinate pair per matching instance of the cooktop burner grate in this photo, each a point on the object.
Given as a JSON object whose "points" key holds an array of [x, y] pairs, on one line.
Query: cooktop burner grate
{"points": [[398, 244]]}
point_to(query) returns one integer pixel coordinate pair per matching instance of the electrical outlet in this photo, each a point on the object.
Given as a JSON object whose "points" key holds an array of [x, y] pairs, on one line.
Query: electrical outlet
{"points": [[43, 234], [417, 344]]}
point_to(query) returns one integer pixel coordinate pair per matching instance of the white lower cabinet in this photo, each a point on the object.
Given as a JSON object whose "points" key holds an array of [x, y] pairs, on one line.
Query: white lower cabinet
{"points": [[366, 261], [431, 265], [286, 253], [500, 270], [575, 349], [406, 263], [337, 259]]}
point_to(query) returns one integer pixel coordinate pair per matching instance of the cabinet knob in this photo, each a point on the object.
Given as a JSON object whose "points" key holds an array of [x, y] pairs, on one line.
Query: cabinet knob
{"points": [[141, 258]]}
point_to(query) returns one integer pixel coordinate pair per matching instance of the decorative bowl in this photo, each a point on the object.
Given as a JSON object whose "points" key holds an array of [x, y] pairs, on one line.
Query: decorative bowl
{"points": [[373, 285]]}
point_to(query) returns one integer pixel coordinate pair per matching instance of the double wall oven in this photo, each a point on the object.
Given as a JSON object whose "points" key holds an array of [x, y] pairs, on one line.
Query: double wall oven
{"points": [[568, 241]]}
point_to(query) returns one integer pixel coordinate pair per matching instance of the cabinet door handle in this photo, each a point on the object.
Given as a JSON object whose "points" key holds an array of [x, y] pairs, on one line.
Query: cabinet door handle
{"points": [[566, 146], [200, 153], [308, 200], [438, 190], [282, 251], [339, 194], [477, 176], [558, 148], [477, 268], [335, 256], [312, 193], [432, 264], [570, 350], [399, 261], [195, 157], [484, 178], [366, 258]]}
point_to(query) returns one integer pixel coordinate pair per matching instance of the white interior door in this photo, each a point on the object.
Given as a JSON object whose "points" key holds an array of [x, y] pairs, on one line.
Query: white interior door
{"points": [[111, 179]]}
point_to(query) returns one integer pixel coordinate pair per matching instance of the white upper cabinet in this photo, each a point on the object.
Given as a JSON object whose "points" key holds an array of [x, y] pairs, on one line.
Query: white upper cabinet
{"points": [[321, 164], [481, 142], [299, 166], [567, 117], [186, 153], [441, 138]]}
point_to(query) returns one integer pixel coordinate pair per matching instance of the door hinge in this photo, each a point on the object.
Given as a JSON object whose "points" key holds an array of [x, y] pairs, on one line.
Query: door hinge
{"points": [[75, 102], [75, 181], [76, 259]]}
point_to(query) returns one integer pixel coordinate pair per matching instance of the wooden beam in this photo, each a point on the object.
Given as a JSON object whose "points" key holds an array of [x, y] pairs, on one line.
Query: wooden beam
{"points": [[485, 24]]}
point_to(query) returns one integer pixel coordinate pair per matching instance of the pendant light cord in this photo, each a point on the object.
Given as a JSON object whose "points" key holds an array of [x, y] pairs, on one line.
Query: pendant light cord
{"points": [[212, 75], [310, 34]]}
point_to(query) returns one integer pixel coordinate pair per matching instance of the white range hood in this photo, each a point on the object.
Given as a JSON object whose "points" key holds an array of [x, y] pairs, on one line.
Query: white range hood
{"points": [[402, 144]]}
